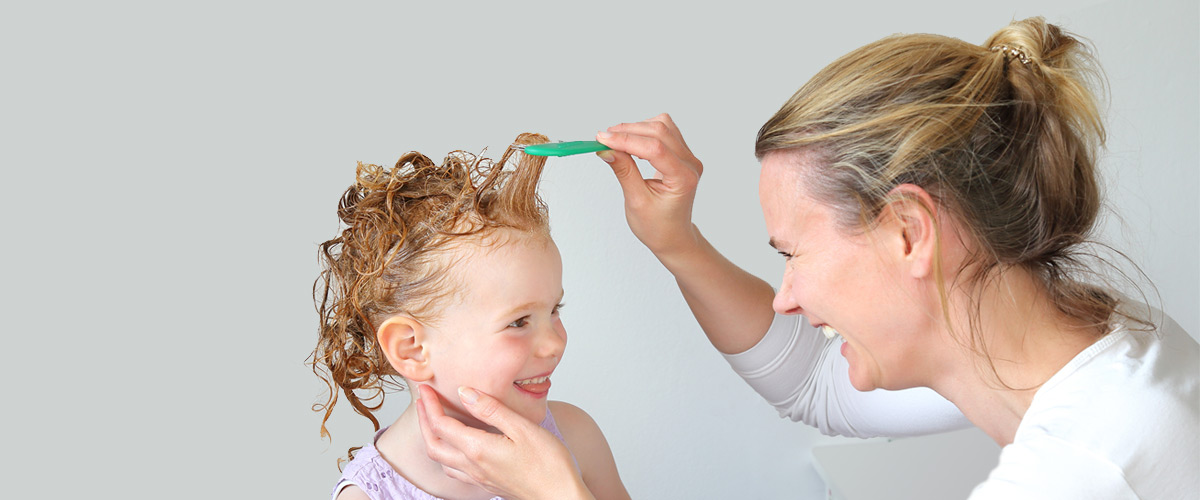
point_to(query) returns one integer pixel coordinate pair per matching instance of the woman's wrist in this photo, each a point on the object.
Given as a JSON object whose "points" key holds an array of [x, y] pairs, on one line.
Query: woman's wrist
{"points": [[685, 253]]}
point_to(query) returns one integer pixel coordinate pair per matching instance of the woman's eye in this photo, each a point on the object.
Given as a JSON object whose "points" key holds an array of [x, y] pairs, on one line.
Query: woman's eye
{"points": [[557, 308], [519, 323], [786, 256]]}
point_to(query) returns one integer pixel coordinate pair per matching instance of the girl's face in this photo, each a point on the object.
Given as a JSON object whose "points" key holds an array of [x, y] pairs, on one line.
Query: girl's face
{"points": [[850, 283], [501, 334]]}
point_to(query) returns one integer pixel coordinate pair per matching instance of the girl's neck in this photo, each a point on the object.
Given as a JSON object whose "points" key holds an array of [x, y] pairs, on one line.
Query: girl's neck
{"points": [[1027, 340], [403, 447]]}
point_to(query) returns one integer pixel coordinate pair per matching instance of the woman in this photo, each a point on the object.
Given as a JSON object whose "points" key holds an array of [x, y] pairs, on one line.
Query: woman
{"points": [[932, 200]]}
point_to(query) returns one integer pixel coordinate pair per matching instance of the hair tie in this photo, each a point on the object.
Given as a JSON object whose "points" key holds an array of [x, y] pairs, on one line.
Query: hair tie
{"points": [[1016, 52]]}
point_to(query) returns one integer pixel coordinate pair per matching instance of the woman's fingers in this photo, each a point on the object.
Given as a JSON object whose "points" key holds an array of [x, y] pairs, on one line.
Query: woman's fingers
{"points": [[491, 411], [676, 172], [672, 128], [659, 210], [662, 129], [457, 474], [626, 170], [433, 423], [524, 462]]}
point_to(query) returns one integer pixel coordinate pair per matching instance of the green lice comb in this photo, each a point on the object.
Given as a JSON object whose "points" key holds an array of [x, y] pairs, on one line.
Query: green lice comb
{"points": [[562, 148]]}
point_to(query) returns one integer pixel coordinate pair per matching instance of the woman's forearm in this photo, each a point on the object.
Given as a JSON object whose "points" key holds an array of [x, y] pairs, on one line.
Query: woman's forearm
{"points": [[732, 306]]}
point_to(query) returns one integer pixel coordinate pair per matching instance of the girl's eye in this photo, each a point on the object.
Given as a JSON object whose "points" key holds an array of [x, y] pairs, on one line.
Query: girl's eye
{"points": [[519, 323], [557, 308]]}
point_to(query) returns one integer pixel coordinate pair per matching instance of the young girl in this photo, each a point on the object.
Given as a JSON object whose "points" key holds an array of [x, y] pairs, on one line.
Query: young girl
{"points": [[446, 276]]}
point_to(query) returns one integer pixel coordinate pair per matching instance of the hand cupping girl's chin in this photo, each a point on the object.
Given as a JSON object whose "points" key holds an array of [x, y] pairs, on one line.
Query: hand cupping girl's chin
{"points": [[523, 462]]}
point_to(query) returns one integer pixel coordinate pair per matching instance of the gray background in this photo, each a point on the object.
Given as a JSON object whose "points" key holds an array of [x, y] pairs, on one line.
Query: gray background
{"points": [[169, 170]]}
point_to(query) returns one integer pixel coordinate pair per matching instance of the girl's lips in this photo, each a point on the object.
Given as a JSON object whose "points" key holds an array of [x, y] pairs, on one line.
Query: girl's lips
{"points": [[537, 390], [534, 386]]}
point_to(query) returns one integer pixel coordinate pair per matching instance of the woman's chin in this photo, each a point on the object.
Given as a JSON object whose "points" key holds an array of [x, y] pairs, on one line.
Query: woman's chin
{"points": [[862, 385]]}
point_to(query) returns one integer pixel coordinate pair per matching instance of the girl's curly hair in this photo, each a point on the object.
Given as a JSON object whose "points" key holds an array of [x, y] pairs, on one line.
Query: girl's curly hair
{"points": [[399, 224]]}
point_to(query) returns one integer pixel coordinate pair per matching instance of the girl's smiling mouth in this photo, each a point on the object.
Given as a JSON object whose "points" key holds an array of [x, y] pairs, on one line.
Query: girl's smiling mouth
{"points": [[534, 386]]}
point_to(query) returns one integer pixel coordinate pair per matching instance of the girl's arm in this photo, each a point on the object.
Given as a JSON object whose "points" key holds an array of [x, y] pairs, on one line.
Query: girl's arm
{"points": [[591, 450]]}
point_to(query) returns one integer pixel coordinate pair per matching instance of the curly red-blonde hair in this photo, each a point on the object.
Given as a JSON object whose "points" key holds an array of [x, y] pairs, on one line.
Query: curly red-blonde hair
{"points": [[399, 224]]}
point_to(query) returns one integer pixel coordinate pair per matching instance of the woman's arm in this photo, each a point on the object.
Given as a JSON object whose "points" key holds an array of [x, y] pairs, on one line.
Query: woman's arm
{"points": [[732, 306], [591, 450], [804, 376]]}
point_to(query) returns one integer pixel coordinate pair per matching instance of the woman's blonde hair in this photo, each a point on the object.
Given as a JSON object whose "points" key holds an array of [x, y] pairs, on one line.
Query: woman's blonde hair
{"points": [[391, 257], [1004, 136]]}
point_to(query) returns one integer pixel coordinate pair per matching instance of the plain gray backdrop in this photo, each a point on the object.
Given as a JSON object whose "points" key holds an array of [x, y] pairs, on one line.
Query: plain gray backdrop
{"points": [[170, 168]]}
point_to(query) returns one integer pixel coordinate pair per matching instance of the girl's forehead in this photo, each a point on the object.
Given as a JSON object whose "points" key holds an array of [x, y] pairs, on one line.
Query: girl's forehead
{"points": [[505, 256], [502, 241], [490, 279]]}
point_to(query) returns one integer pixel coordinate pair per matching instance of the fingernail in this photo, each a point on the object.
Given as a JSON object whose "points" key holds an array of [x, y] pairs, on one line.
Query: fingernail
{"points": [[607, 156], [417, 391], [604, 135], [468, 395]]}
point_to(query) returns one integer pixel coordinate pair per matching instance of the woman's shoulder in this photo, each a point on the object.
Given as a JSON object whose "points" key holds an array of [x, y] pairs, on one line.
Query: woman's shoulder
{"points": [[1129, 396], [1045, 467]]}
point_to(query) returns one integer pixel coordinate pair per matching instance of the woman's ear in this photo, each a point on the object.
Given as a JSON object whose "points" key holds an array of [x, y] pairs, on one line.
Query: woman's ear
{"points": [[912, 229], [402, 339]]}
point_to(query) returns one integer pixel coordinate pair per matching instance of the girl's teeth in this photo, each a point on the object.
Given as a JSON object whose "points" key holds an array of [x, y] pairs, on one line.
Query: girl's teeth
{"points": [[829, 331], [537, 380]]}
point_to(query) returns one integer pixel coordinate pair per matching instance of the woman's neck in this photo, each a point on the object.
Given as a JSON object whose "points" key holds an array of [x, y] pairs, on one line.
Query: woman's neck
{"points": [[403, 447], [1025, 337]]}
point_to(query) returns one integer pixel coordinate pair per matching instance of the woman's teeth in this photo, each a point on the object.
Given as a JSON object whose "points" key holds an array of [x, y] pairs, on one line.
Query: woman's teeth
{"points": [[829, 331]]}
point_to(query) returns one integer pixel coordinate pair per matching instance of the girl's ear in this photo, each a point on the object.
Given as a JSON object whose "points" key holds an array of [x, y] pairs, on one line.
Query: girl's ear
{"points": [[402, 339], [912, 230]]}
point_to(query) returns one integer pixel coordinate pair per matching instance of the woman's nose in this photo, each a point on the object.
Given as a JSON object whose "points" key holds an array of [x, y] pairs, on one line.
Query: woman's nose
{"points": [[784, 302]]}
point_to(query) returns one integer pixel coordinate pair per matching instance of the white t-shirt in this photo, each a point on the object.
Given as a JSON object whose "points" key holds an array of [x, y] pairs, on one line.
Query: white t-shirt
{"points": [[1120, 420], [804, 376]]}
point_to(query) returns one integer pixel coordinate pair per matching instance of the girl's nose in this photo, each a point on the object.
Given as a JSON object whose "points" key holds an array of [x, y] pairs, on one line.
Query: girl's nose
{"points": [[552, 341]]}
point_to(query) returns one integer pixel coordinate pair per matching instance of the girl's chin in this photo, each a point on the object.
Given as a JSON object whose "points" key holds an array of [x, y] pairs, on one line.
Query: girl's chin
{"points": [[533, 412]]}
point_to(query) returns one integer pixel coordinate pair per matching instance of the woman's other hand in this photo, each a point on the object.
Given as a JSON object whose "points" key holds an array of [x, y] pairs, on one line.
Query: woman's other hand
{"points": [[659, 209], [526, 462]]}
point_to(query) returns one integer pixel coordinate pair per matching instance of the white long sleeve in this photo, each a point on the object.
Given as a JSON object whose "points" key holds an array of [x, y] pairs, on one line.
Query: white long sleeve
{"points": [[803, 375]]}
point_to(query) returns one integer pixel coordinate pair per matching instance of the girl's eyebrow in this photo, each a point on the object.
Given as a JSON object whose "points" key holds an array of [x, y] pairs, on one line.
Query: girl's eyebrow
{"points": [[530, 305]]}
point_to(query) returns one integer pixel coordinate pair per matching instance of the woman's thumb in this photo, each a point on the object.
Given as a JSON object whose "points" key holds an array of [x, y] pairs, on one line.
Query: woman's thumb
{"points": [[626, 171]]}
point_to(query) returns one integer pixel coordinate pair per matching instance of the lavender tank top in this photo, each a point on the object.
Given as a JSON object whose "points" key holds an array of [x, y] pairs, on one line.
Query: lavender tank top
{"points": [[372, 474]]}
